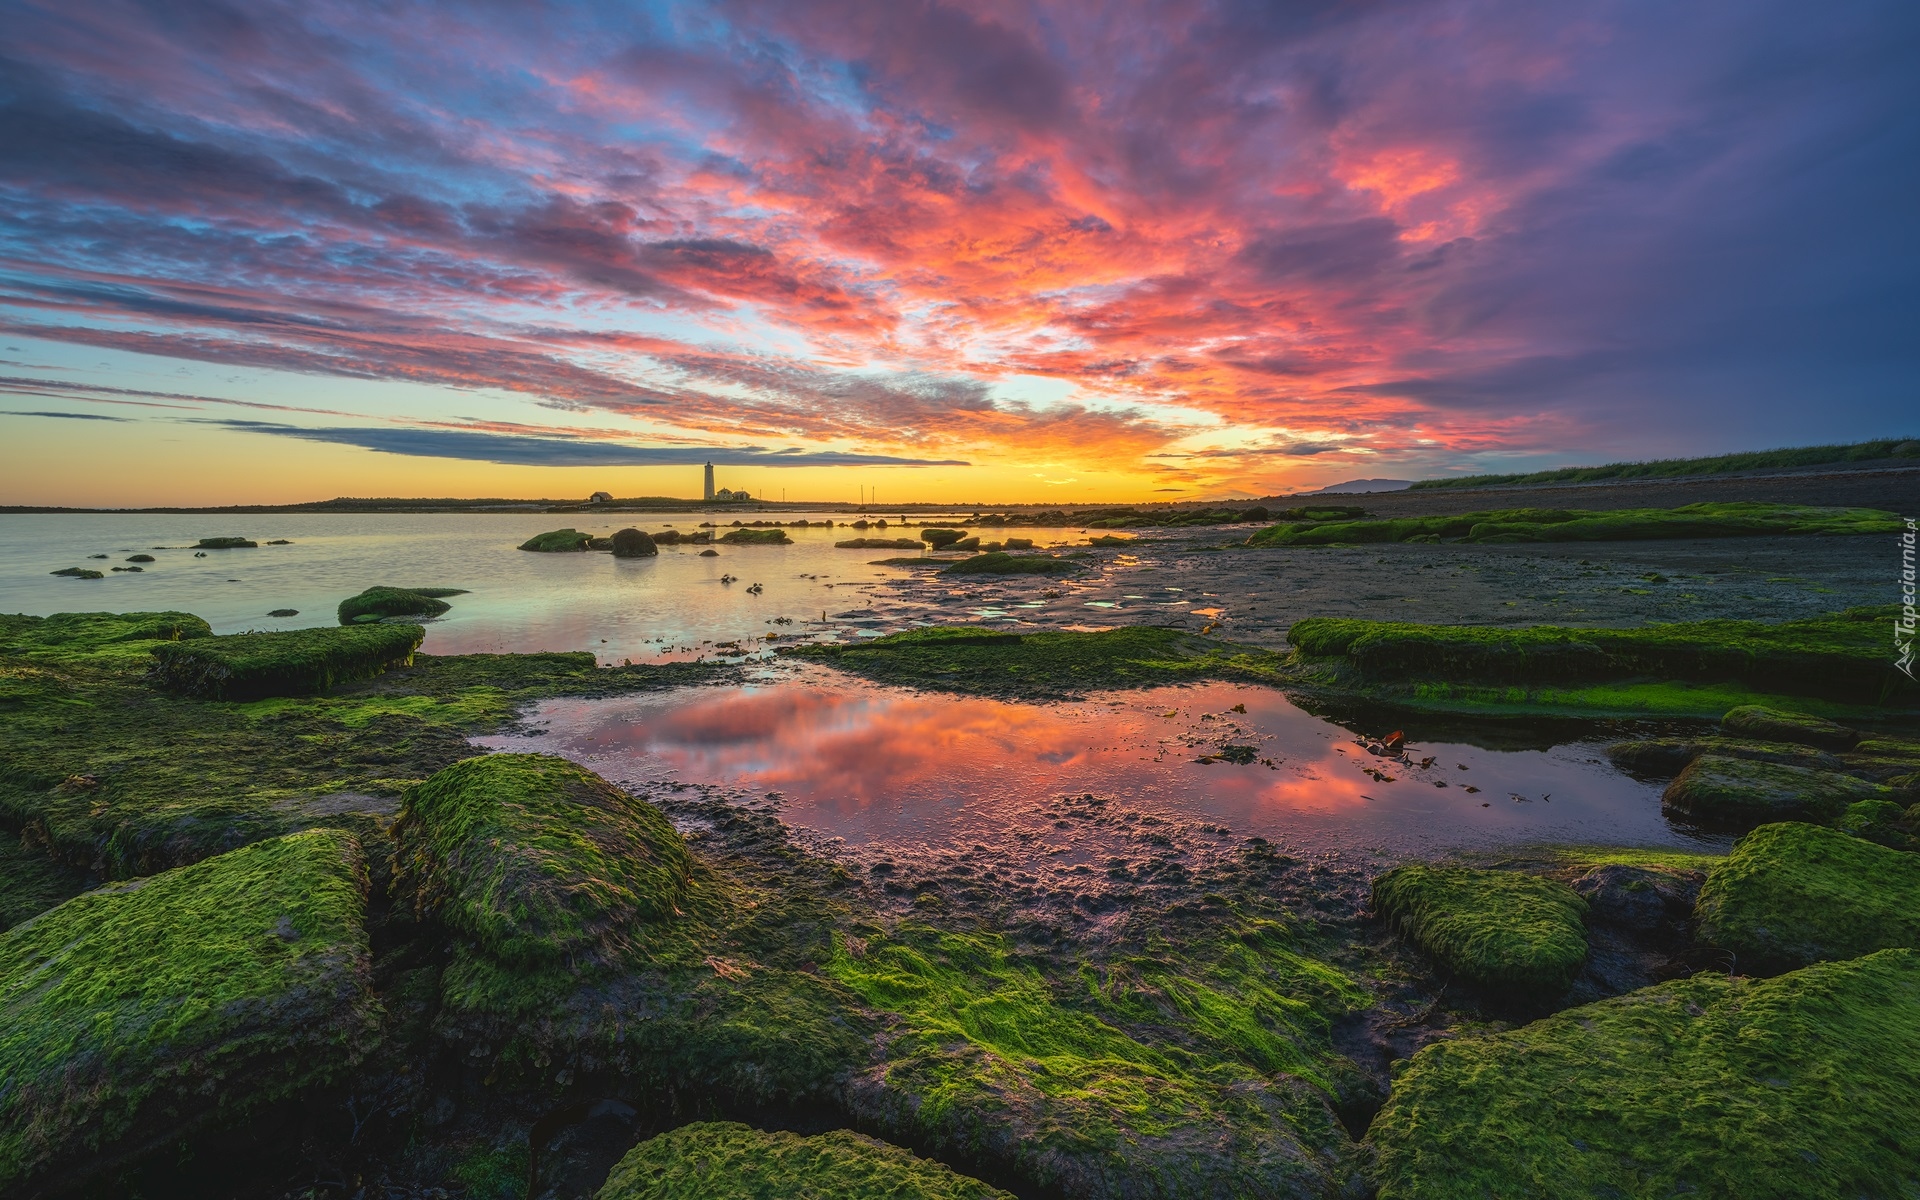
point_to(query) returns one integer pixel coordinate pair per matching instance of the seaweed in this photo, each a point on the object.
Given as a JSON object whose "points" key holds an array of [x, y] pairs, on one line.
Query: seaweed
{"points": [[1793, 894], [716, 1160], [378, 603], [249, 666], [1800, 1087], [558, 541], [1495, 929], [1720, 792], [140, 1012], [999, 563], [971, 659]]}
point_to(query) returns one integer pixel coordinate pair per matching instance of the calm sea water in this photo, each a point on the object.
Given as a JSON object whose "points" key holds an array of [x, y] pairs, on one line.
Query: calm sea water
{"points": [[875, 766], [639, 609]]}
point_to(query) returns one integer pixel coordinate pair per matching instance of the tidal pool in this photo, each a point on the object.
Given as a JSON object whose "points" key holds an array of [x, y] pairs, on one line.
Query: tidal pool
{"points": [[887, 768]]}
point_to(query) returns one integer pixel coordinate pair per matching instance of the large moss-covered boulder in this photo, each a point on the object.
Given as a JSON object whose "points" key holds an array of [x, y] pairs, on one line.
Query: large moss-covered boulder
{"points": [[380, 603], [1772, 725], [1793, 894], [717, 1160], [1663, 758], [633, 543], [538, 860], [298, 662], [1001, 563], [757, 537], [1721, 792], [1495, 929], [1801, 1087], [558, 541], [133, 1015]]}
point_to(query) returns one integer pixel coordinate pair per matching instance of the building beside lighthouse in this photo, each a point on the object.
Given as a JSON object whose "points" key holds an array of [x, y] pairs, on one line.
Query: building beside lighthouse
{"points": [[709, 492]]}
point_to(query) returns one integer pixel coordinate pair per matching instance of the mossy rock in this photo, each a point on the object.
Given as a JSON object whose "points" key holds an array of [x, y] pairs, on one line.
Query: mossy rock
{"points": [[1663, 758], [539, 860], [941, 538], [132, 1016], [87, 634], [1883, 822], [1793, 894], [1495, 929], [1801, 1087], [299, 662], [633, 543], [226, 543], [379, 603], [717, 1160], [1771, 725], [756, 537], [31, 882], [1719, 792], [867, 543], [997, 563], [1109, 540], [558, 541], [78, 573]]}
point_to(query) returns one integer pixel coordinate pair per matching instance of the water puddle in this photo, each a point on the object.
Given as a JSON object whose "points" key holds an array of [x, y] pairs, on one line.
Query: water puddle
{"points": [[886, 768]]}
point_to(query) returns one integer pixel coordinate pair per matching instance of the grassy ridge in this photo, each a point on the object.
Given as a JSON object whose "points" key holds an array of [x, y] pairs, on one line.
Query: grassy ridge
{"points": [[1844, 655], [1723, 464], [299, 662], [1494, 526]]}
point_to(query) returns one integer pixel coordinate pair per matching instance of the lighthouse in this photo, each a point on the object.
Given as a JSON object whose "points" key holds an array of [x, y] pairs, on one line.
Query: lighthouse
{"points": [[709, 495]]}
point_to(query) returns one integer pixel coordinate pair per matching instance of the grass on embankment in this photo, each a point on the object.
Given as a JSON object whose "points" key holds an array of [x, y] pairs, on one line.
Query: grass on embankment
{"points": [[132, 1014], [1051, 664], [1701, 668], [1722, 464], [1797, 1088], [1742, 519]]}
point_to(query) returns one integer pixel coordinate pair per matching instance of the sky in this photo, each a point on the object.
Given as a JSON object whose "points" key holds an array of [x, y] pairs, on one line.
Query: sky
{"points": [[983, 252]]}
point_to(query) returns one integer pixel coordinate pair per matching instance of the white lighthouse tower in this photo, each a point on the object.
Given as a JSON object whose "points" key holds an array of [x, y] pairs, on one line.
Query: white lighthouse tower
{"points": [[709, 496]]}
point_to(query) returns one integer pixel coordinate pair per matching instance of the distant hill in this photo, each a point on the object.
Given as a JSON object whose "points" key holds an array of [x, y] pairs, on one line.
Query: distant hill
{"points": [[1364, 485], [1724, 464]]}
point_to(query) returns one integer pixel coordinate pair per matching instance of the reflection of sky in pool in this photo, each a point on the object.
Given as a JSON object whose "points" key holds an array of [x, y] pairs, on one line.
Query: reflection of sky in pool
{"points": [[897, 768]]}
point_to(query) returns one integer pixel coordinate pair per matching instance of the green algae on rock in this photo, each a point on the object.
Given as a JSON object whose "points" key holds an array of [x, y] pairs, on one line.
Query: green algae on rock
{"points": [[984, 1060], [718, 1160], [1495, 929], [249, 666], [1738, 519], [1001, 563], [1721, 792], [1801, 1087], [558, 541], [1771, 725], [756, 537], [133, 1015], [379, 603], [971, 659], [31, 882], [1792, 894], [538, 860], [1663, 758]]}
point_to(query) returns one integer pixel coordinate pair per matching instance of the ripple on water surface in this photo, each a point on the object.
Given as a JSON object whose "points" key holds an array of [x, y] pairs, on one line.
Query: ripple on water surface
{"points": [[896, 769]]}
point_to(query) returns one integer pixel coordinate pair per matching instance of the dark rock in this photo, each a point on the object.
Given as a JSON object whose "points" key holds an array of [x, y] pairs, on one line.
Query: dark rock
{"points": [[1639, 898], [140, 558], [284, 612], [1738, 794], [78, 573], [632, 543], [226, 543], [940, 538], [709, 553]]}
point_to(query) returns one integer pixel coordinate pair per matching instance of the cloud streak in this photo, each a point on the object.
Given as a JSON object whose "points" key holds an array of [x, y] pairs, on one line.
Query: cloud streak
{"points": [[1338, 231]]}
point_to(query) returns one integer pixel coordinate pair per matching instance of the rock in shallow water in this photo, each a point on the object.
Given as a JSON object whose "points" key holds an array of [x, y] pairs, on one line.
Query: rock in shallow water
{"points": [[1719, 792]]}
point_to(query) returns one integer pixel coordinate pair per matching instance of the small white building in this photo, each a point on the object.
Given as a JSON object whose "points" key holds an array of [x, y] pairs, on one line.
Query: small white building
{"points": [[729, 494]]}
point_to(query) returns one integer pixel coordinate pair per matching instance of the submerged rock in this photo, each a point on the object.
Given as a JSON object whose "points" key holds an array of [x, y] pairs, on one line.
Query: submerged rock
{"points": [[1718, 792], [78, 573], [226, 543], [716, 1160], [1801, 1087], [1772, 725], [632, 543], [139, 558], [1793, 894], [140, 1013], [1495, 929]]}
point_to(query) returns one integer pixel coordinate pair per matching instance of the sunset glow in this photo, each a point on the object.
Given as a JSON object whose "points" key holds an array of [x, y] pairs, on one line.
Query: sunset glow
{"points": [[998, 252]]}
